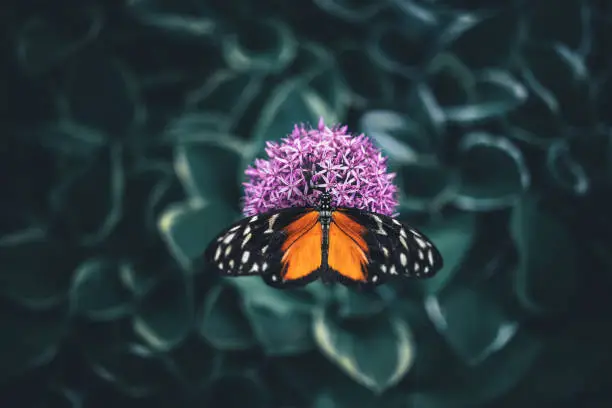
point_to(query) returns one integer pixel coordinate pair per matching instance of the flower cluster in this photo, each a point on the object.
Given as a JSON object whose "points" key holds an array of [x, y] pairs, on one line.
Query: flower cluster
{"points": [[349, 167]]}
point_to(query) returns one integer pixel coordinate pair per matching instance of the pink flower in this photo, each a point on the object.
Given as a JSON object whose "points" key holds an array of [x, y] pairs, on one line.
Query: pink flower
{"points": [[349, 167]]}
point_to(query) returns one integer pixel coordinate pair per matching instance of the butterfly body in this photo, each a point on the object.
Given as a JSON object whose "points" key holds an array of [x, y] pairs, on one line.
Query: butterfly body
{"points": [[294, 246]]}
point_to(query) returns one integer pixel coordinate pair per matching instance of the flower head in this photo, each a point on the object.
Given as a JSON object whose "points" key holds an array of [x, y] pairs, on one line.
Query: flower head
{"points": [[349, 167]]}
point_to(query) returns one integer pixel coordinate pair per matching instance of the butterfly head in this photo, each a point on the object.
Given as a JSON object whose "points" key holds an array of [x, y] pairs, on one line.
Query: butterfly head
{"points": [[325, 200]]}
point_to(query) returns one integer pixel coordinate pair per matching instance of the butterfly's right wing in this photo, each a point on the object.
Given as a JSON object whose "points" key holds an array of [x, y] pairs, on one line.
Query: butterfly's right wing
{"points": [[377, 248], [283, 246]]}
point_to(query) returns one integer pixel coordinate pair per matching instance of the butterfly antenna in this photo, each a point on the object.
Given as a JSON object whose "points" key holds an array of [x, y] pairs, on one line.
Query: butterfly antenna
{"points": [[308, 171]]}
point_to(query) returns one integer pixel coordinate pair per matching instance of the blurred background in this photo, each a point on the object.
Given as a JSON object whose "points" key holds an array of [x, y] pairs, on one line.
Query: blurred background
{"points": [[127, 126]]}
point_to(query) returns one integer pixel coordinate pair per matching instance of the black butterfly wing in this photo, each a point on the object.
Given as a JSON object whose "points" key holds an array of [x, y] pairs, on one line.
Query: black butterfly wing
{"points": [[395, 249], [254, 246]]}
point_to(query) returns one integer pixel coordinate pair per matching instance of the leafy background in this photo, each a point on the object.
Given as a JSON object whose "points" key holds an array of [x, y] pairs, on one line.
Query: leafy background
{"points": [[127, 126]]}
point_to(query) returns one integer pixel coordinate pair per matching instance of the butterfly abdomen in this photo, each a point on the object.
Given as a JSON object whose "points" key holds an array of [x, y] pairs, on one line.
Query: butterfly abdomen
{"points": [[325, 219]]}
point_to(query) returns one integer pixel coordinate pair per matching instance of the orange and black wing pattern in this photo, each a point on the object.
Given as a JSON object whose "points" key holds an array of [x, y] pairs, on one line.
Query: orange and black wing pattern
{"points": [[367, 248], [283, 247]]}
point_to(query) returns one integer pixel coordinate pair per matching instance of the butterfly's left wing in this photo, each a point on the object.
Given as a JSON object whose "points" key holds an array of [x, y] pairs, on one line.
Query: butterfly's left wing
{"points": [[283, 247], [370, 248]]}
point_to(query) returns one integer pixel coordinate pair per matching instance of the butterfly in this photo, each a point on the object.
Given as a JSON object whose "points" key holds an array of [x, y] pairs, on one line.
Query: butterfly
{"points": [[294, 246]]}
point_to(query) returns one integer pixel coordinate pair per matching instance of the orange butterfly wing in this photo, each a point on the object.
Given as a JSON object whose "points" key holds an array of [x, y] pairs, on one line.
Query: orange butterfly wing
{"points": [[302, 247], [348, 250]]}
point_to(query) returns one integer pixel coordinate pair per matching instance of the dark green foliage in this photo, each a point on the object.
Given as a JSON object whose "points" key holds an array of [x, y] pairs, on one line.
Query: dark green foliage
{"points": [[127, 126]]}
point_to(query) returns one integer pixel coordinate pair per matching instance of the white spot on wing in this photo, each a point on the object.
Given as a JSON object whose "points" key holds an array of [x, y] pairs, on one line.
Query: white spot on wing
{"points": [[274, 277], [228, 238], [254, 268], [253, 219], [426, 270], [246, 230], [380, 230], [245, 256], [421, 255], [234, 228], [383, 268], [264, 266], [228, 250], [386, 252], [231, 263], [245, 240], [403, 242], [396, 222], [430, 257], [403, 259], [419, 241], [264, 249], [374, 278], [416, 266], [392, 271], [271, 222], [217, 253], [220, 265], [403, 233]]}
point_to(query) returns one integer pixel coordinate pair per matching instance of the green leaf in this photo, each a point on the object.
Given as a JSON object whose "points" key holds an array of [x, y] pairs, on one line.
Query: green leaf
{"points": [[353, 12], [565, 171], [453, 236], [193, 361], [43, 43], [495, 94], [424, 187], [222, 322], [165, 315], [35, 269], [88, 202], [170, 21], [102, 93], [493, 173], [398, 48], [560, 75], [29, 339], [138, 396], [350, 346], [366, 81], [260, 45], [71, 140], [209, 170], [97, 291], [280, 320], [399, 137], [486, 40], [471, 321], [226, 94], [536, 122], [548, 267], [133, 369], [189, 227], [560, 22], [450, 81], [302, 374], [61, 398], [352, 304], [481, 385], [292, 102], [236, 390]]}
